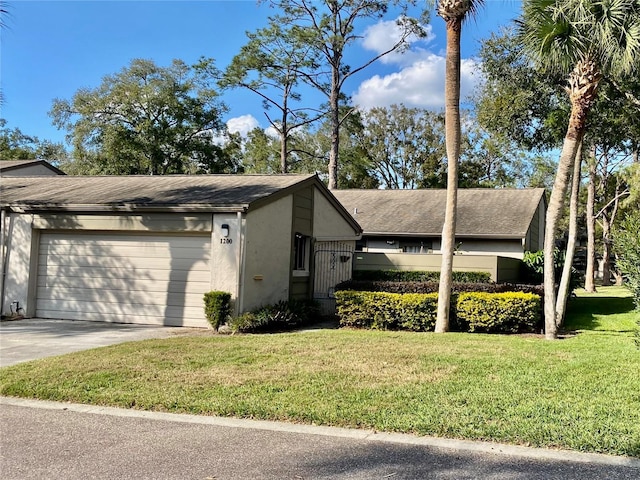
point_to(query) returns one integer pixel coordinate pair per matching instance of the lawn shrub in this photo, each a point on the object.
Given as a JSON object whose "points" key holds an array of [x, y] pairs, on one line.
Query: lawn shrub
{"points": [[418, 276], [510, 312], [387, 311], [217, 307], [283, 315], [432, 287]]}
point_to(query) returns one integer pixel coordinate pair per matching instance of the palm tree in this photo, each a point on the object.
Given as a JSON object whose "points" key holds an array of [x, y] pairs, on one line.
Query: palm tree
{"points": [[584, 39], [454, 12]]}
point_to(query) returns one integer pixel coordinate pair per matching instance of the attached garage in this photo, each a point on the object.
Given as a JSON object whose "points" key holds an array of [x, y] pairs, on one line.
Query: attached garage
{"points": [[145, 249], [120, 277]]}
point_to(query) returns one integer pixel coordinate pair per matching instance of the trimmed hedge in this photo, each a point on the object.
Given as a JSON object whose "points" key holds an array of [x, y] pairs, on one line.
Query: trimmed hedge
{"points": [[509, 312], [217, 307], [418, 276], [387, 311], [432, 287]]}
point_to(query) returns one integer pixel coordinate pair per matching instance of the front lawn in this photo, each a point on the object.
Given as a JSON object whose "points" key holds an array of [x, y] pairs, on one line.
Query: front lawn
{"points": [[581, 392]]}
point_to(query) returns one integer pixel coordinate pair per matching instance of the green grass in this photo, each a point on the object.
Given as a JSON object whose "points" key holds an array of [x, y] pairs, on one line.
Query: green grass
{"points": [[581, 393]]}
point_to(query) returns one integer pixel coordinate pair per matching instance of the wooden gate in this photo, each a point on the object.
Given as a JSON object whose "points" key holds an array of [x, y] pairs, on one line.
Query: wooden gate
{"points": [[333, 262]]}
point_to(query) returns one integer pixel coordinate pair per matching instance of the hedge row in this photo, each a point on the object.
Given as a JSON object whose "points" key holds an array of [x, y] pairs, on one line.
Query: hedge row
{"points": [[418, 276], [432, 287], [508, 312]]}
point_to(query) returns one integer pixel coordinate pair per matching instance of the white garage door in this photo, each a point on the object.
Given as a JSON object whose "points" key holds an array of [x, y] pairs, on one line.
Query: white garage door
{"points": [[152, 279]]}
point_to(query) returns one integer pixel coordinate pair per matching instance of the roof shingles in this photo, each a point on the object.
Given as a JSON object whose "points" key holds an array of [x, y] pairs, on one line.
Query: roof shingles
{"points": [[145, 191], [481, 212]]}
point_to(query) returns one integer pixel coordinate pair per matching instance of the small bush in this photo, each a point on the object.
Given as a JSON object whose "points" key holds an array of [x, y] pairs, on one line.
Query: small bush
{"points": [[217, 307], [387, 311], [511, 312], [283, 315], [418, 276]]}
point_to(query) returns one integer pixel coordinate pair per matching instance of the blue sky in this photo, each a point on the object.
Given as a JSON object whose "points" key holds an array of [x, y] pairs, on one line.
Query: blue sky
{"points": [[50, 49]]}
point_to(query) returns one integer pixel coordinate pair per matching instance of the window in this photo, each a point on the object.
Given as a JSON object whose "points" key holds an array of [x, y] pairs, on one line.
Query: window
{"points": [[417, 246], [300, 252]]}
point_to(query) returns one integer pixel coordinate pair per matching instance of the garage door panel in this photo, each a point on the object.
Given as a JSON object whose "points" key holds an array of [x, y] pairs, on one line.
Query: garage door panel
{"points": [[123, 262], [157, 279], [74, 291], [130, 251], [105, 277], [120, 318], [124, 296], [135, 310]]}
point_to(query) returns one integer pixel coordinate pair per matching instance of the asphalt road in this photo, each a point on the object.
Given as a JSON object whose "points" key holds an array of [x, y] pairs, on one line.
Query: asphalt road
{"points": [[65, 441]]}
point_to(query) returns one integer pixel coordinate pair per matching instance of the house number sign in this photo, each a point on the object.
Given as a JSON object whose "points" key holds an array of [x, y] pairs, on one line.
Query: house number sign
{"points": [[226, 241]]}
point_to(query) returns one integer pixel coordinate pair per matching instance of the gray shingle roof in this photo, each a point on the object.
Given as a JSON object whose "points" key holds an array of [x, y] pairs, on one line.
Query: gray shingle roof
{"points": [[7, 165], [180, 191], [481, 212]]}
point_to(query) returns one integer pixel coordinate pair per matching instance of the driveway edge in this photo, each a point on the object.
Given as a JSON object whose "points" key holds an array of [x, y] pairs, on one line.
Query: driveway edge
{"points": [[365, 435]]}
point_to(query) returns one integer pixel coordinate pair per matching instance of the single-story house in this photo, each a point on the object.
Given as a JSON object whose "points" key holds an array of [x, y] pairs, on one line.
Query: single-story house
{"points": [[144, 249], [26, 168], [505, 222]]}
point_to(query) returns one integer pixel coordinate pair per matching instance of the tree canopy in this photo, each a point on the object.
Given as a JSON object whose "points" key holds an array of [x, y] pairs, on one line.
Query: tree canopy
{"points": [[148, 119], [16, 145]]}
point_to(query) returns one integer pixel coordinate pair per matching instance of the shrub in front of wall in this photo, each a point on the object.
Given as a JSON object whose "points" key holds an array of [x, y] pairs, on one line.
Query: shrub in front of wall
{"points": [[432, 287], [284, 315], [418, 276], [386, 311], [510, 312], [217, 307]]}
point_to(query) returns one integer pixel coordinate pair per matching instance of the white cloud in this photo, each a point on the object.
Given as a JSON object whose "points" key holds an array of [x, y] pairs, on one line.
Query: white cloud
{"points": [[420, 84], [419, 79], [383, 35], [242, 124], [270, 131]]}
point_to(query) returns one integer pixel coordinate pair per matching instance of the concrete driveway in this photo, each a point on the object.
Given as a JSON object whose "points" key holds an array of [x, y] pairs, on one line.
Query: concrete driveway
{"points": [[29, 339]]}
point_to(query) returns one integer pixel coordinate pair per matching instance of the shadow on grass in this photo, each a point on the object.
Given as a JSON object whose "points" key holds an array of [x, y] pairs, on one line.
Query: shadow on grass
{"points": [[582, 313]]}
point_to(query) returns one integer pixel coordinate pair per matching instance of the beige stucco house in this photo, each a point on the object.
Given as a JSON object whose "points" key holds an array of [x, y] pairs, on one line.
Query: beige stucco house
{"points": [[24, 168], [144, 249], [402, 229]]}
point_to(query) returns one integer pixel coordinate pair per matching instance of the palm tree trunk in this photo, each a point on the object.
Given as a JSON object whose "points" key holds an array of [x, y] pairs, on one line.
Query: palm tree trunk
{"points": [[572, 140], [452, 133], [565, 280], [589, 277]]}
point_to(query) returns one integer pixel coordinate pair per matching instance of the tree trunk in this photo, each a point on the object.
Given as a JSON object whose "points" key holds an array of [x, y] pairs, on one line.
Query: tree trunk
{"points": [[284, 137], [335, 131], [565, 280], [452, 134], [589, 277], [554, 212], [606, 250]]}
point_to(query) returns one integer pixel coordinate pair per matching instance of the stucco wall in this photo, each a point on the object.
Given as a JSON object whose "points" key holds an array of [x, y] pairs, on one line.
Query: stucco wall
{"points": [[267, 254], [502, 269], [152, 222], [328, 223], [225, 254], [20, 242]]}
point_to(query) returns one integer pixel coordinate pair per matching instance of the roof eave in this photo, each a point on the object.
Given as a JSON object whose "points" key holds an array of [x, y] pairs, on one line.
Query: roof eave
{"points": [[98, 208], [439, 234]]}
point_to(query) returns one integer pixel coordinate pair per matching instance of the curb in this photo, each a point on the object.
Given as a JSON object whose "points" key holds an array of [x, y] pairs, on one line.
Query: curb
{"points": [[363, 435]]}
